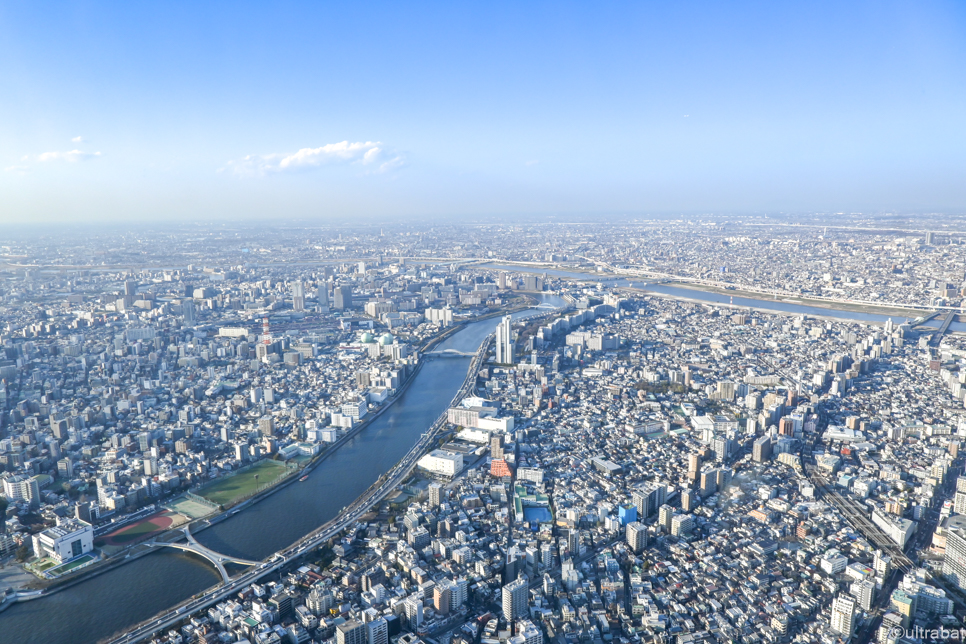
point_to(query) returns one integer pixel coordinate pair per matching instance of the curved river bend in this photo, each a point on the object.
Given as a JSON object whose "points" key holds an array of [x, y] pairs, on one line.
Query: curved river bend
{"points": [[125, 596], [116, 600]]}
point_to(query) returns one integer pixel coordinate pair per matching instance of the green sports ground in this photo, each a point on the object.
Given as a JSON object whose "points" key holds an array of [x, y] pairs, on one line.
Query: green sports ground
{"points": [[226, 491]]}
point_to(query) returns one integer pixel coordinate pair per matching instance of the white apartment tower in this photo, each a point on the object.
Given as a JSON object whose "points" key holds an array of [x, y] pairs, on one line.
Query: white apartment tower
{"points": [[504, 341], [515, 599], [843, 616]]}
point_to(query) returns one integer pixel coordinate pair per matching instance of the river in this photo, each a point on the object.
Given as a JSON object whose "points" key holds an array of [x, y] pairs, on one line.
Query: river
{"points": [[121, 598], [721, 298], [116, 600]]}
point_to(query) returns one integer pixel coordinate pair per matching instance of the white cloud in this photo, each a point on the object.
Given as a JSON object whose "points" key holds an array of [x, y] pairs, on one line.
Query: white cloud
{"points": [[77, 139], [369, 153], [68, 156], [71, 156]]}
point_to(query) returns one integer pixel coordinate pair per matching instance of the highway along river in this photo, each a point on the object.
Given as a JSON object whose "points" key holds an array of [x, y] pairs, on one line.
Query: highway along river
{"points": [[119, 599]]}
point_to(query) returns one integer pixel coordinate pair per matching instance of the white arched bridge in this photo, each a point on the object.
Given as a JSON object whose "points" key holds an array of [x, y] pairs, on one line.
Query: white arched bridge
{"points": [[451, 353], [217, 559]]}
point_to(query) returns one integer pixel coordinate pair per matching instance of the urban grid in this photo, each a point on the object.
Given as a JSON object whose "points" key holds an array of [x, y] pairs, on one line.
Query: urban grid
{"points": [[675, 431]]}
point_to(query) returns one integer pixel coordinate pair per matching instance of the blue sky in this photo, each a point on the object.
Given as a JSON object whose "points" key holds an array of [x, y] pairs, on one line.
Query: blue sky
{"points": [[172, 111]]}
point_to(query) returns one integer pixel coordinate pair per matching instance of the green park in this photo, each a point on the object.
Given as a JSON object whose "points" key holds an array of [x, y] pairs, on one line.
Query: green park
{"points": [[232, 488]]}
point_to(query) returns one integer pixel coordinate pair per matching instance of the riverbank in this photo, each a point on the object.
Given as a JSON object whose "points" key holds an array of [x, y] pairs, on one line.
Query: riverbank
{"points": [[48, 588], [373, 495], [747, 307], [113, 601], [200, 524], [804, 301]]}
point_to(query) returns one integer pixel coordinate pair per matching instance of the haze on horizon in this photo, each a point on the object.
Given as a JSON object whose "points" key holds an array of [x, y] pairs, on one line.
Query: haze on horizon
{"points": [[141, 113]]}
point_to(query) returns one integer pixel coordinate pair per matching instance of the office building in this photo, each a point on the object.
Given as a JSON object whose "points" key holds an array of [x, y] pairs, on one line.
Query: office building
{"points": [[343, 297], [71, 538], [188, 313]]}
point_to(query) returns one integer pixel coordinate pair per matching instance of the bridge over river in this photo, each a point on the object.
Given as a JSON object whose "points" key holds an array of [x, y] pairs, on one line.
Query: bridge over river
{"points": [[217, 559]]}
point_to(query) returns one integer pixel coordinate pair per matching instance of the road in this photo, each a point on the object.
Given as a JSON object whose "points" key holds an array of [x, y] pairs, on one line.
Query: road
{"points": [[303, 546], [858, 514]]}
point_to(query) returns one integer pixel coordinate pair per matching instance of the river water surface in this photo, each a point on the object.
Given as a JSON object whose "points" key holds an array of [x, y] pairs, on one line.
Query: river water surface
{"points": [[119, 599]]}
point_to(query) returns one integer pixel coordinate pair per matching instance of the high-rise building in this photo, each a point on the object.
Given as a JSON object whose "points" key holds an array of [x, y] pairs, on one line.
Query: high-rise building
{"points": [[648, 498], [351, 632], [188, 313], [688, 500], [22, 488], [414, 612], [442, 597], [504, 341], [636, 536], [435, 493], [665, 513], [959, 502], [266, 426], [761, 449], [864, 592], [377, 631], [843, 615], [954, 563], [694, 466], [515, 599], [681, 524], [343, 297], [709, 482], [322, 295], [298, 296], [496, 447]]}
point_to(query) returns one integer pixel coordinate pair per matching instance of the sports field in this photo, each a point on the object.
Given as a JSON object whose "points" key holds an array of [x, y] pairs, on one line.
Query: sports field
{"points": [[158, 522], [190, 508], [227, 490]]}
